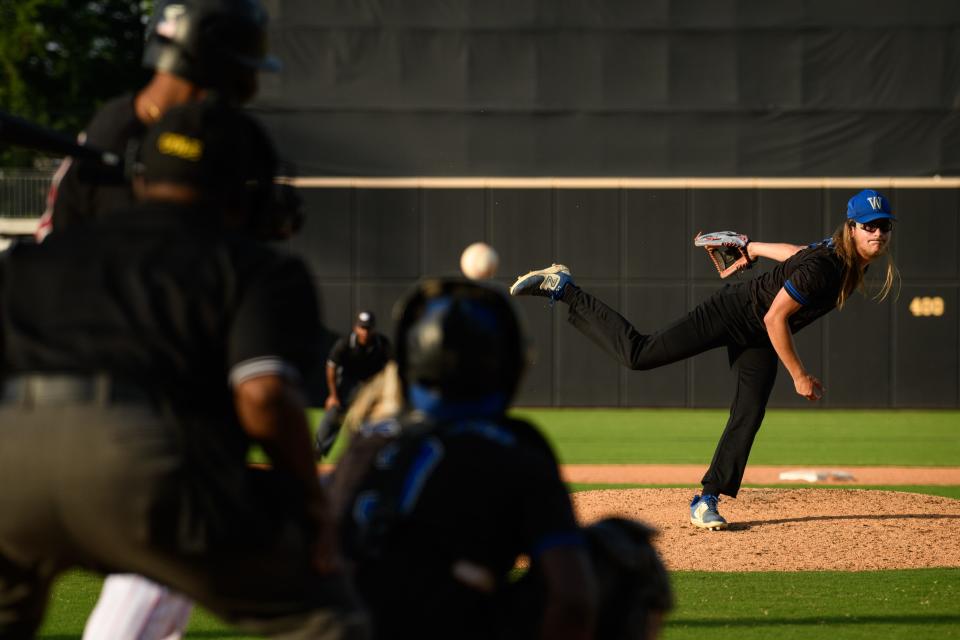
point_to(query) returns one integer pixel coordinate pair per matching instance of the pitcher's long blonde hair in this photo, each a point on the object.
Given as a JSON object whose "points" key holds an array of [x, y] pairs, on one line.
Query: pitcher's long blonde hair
{"points": [[380, 398], [854, 269]]}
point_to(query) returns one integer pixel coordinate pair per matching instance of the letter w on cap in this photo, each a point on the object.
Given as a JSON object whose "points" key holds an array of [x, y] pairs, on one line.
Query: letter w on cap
{"points": [[874, 202]]}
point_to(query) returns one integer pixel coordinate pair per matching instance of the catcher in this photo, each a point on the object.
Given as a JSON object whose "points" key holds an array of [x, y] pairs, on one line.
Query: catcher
{"points": [[430, 539], [633, 589], [755, 320]]}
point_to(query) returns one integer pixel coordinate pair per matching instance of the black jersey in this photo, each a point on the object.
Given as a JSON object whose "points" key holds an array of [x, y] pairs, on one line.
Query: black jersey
{"points": [[812, 277], [429, 501], [156, 296], [355, 362], [83, 194]]}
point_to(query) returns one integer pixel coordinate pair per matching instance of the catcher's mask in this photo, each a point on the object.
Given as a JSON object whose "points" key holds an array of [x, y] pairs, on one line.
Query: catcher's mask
{"points": [[461, 339], [215, 44]]}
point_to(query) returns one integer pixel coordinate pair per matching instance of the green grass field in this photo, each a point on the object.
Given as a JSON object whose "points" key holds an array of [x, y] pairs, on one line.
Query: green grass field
{"points": [[796, 437], [812, 605], [785, 605]]}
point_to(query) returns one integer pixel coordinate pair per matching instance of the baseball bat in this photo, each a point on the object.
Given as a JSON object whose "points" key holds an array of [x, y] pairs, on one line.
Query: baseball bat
{"points": [[23, 133]]}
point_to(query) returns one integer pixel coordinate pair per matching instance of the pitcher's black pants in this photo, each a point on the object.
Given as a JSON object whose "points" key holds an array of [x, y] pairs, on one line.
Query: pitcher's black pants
{"points": [[724, 320]]}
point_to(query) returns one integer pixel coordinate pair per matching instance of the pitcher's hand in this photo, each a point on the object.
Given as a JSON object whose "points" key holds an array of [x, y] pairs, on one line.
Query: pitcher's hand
{"points": [[808, 386]]}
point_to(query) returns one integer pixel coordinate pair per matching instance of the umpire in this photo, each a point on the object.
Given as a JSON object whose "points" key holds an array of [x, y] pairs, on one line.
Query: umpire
{"points": [[196, 49], [143, 354], [353, 360]]}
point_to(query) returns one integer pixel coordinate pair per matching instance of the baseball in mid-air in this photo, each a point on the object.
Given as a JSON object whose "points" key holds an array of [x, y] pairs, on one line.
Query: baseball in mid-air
{"points": [[479, 261]]}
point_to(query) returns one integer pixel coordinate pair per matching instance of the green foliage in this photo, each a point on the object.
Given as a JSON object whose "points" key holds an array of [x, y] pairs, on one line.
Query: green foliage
{"points": [[60, 59]]}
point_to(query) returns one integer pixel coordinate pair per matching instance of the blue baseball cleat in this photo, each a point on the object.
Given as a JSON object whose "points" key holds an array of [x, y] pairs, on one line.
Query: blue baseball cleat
{"points": [[549, 282], [704, 514]]}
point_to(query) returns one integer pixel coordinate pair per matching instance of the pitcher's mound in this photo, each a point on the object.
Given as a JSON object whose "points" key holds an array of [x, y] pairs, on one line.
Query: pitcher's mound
{"points": [[792, 529]]}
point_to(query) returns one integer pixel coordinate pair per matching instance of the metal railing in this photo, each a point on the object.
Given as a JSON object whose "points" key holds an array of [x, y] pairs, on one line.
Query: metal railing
{"points": [[23, 194]]}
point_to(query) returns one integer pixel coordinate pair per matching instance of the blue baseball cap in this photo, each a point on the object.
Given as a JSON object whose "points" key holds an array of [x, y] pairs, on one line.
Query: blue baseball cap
{"points": [[868, 205]]}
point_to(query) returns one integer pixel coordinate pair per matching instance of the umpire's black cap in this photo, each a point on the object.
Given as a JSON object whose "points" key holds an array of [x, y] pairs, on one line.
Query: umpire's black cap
{"points": [[366, 319], [218, 149]]}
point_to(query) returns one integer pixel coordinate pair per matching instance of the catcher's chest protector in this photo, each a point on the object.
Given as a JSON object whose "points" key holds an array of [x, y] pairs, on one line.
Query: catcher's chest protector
{"points": [[378, 481]]}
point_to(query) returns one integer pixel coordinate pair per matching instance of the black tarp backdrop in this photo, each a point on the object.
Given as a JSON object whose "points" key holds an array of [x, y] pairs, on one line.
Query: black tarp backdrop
{"points": [[617, 87], [636, 89]]}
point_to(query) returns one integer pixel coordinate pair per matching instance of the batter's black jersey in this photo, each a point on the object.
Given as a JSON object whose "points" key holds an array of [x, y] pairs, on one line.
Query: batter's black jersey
{"points": [[812, 277], [157, 296], [430, 501], [355, 362], [82, 193]]}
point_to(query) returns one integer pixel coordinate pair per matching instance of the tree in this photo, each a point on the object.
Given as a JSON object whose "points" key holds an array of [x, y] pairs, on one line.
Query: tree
{"points": [[60, 59]]}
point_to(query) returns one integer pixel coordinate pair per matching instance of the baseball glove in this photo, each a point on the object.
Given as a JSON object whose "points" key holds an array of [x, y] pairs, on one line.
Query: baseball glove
{"points": [[727, 251]]}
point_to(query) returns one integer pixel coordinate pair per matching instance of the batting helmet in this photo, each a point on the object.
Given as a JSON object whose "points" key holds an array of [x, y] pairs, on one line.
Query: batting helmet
{"points": [[216, 44], [461, 339]]}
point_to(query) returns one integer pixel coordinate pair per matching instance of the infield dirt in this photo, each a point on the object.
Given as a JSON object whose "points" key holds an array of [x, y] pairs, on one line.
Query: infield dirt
{"points": [[793, 529], [802, 529]]}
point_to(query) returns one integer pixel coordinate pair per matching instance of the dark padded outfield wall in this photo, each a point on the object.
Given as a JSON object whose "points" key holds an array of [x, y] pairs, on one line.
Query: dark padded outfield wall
{"points": [[623, 89]]}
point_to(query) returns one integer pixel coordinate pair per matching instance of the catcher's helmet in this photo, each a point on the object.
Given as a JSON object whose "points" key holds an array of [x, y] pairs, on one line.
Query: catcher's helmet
{"points": [[460, 338], [216, 44]]}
